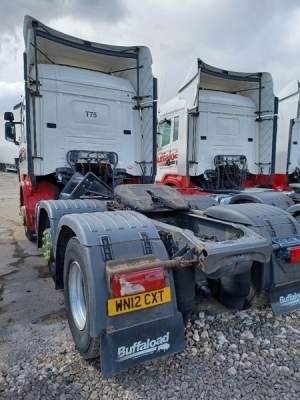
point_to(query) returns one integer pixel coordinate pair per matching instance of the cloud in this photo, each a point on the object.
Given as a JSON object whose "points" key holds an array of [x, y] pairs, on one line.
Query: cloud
{"points": [[96, 11], [91, 12], [237, 35], [10, 95]]}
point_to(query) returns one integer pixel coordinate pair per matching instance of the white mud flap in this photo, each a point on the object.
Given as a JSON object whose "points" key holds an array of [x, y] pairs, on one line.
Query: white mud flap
{"points": [[131, 346], [285, 298]]}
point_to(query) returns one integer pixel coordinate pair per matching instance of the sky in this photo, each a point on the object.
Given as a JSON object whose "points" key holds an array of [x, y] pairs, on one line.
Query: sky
{"points": [[236, 35]]}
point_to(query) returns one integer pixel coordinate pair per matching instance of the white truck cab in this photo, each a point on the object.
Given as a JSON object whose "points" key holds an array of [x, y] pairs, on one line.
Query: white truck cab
{"points": [[219, 132]]}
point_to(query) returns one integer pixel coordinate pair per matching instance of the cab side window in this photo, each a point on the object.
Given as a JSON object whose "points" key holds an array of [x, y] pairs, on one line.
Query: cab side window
{"points": [[164, 130], [175, 129]]}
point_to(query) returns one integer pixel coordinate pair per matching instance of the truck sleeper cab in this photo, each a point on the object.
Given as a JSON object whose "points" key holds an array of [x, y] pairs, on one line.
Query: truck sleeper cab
{"points": [[89, 108], [218, 138]]}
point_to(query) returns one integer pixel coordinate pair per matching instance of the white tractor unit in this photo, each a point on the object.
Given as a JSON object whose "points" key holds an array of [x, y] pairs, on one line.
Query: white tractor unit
{"points": [[218, 137], [129, 254]]}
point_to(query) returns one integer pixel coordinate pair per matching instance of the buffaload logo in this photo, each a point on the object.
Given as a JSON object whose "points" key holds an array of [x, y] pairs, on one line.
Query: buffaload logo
{"points": [[290, 299], [139, 349], [167, 158]]}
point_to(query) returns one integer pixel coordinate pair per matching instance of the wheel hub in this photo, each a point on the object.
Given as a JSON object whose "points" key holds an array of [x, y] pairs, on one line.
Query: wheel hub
{"points": [[77, 295]]}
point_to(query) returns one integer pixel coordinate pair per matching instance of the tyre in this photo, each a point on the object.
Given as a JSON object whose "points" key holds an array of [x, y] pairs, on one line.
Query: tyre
{"points": [[258, 296], [31, 236], [47, 247], [76, 292], [184, 280], [297, 218], [234, 290]]}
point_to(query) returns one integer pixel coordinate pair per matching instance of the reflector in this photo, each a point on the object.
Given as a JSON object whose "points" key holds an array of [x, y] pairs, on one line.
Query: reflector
{"points": [[138, 282], [295, 254]]}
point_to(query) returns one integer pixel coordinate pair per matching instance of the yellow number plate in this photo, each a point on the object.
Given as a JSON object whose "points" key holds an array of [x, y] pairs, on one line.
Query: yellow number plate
{"points": [[122, 305]]}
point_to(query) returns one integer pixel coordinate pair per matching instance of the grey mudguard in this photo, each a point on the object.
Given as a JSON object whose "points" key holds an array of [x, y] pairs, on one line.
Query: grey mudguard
{"points": [[123, 238], [271, 198], [282, 231], [201, 203], [294, 209], [150, 197], [122, 224], [55, 209], [256, 216], [270, 222]]}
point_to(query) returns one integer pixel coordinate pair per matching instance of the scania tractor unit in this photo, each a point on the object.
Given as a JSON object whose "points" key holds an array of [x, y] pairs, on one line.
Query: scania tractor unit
{"points": [[218, 136], [132, 255]]}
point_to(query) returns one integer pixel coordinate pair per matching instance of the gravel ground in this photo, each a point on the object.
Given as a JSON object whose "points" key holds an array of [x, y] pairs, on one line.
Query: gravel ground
{"points": [[246, 355], [243, 355]]}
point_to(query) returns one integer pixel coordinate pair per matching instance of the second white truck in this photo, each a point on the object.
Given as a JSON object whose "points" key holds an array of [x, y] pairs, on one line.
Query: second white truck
{"points": [[218, 135]]}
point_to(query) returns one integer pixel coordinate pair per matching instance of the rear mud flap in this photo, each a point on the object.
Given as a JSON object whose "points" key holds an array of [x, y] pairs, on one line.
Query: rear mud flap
{"points": [[128, 347], [285, 298]]}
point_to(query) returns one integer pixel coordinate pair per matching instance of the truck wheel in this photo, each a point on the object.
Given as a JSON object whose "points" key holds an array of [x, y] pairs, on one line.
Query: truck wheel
{"points": [[184, 280], [31, 236], [76, 292], [47, 247], [29, 233], [297, 218], [258, 296], [234, 289]]}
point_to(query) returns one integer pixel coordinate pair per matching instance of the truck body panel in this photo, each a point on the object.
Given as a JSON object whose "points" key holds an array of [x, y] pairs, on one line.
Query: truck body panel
{"points": [[227, 122], [77, 111]]}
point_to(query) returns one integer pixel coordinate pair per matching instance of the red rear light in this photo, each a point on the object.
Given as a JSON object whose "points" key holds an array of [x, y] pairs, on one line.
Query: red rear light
{"points": [[138, 282], [294, 254]]}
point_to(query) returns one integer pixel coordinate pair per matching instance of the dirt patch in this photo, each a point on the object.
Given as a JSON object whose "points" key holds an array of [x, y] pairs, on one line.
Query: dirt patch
{"points": [[2, 280], [43, 271], [54, 316], [19, 253], [3, 276]]}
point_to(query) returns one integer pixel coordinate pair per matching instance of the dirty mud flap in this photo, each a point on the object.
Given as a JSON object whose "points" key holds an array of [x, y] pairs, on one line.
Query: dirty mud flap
{"points": [[285, 298], [128, 347]]}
